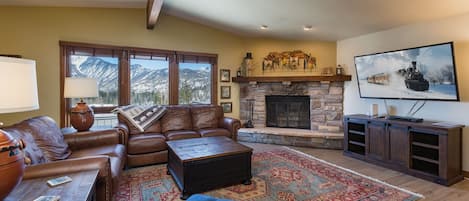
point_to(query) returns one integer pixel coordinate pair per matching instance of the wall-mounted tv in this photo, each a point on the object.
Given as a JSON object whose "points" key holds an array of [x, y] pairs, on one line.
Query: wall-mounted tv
{"points": [[420, 73]]}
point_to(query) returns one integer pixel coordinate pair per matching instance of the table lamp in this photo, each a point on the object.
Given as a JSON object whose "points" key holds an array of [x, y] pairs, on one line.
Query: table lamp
{"points": [[19, 87], [81, 116]]}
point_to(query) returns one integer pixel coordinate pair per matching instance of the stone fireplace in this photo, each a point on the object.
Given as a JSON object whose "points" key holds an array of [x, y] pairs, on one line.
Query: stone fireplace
{"points": [[325, 109], [308, 113]]}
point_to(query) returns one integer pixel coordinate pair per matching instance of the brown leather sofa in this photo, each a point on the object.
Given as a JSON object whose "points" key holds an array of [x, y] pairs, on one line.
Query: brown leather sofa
{"points": [[48, 152], [179, 122]]}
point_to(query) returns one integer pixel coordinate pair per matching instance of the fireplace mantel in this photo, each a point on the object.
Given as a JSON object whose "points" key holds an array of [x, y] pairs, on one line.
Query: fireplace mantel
{"points": [[314, 78]]}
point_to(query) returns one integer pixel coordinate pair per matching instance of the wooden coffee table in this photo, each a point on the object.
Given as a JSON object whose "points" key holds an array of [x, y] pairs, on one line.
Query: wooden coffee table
{"points": [[202, 164], [81, 188]]}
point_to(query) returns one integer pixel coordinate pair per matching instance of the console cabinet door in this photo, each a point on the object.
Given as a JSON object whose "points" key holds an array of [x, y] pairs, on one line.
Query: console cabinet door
{"points": [[398, 145], [376, 141]]}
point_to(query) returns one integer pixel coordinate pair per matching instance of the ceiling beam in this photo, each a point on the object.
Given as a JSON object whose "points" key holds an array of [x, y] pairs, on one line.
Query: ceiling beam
{"points": [[153, 10]]}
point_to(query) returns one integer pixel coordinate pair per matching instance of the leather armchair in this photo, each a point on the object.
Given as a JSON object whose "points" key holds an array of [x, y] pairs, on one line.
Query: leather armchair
{"points": [[50, 153]]}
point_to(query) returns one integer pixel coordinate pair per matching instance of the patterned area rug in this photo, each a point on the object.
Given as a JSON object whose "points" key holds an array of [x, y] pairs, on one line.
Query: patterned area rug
{"points": [[282, 174]]}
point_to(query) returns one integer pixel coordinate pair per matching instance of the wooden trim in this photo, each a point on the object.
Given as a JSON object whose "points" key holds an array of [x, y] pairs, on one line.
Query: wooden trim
{"points": [[173, 80], [214, 95], [465, 174], [196, 54], [62, 78], [293, 78], [115, 47], [90, 45], [124, 78], [153, 10]]}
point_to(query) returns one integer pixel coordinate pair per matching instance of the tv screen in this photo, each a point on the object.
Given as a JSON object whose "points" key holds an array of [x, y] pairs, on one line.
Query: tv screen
{"points": [[421, 73]]}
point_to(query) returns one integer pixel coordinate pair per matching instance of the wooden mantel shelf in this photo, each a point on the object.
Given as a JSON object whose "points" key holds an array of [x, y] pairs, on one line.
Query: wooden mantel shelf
{"points": [[316, 78]]}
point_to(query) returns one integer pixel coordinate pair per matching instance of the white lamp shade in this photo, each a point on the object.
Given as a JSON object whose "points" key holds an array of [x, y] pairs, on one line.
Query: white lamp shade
{"points": [[18, 85], [80, 87]]}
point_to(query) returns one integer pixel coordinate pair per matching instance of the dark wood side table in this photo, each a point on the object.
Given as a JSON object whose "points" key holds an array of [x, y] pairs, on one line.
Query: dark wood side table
{"points": [[206, 163], [81, 188]]}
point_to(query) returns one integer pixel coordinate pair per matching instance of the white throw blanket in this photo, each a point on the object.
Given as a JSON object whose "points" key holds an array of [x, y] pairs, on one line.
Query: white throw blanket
{"points": [[141, 117]]}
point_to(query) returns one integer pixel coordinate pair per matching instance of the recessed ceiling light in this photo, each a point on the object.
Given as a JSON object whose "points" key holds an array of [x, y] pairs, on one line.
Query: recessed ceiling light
{"points": [[264, 27], [308, 28]]}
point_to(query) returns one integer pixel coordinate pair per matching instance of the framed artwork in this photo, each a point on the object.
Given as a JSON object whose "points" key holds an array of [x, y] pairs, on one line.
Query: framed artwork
{"points": [[289, 61], [224, 75], [225, 92], [227, 107]]}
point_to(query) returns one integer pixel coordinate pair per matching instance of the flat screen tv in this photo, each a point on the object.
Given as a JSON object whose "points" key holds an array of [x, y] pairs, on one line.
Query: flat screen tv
{"points": [[420, 73]]}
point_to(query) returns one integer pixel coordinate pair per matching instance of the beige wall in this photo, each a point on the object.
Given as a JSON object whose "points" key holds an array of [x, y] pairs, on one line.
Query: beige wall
{"points": [[34, 33], [450, 29]]}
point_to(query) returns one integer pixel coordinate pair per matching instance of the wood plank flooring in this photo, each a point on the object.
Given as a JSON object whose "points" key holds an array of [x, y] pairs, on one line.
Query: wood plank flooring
{"points": [[431, 191]]}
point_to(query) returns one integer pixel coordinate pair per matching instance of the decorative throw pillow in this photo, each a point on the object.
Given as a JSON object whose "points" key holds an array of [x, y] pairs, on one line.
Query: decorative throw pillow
{"points": [[141, 117]]}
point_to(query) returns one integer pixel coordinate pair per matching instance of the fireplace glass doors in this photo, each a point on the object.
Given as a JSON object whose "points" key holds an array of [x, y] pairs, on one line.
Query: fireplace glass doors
{"points": [[288, 111]]}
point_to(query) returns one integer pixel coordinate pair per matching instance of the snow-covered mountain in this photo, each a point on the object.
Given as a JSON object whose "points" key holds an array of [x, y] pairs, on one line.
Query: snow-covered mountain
{"points": [[144, 80]]}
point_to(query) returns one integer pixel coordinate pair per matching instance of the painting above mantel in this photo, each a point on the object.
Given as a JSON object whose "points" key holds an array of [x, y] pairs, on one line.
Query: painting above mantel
{"points": [[289, 61], [313, 78]]}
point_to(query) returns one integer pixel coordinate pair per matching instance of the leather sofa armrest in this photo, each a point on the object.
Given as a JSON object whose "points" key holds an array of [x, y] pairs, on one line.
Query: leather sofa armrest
{"points": [[124, 131], [233, 126], [61, 167], [88, 139]]}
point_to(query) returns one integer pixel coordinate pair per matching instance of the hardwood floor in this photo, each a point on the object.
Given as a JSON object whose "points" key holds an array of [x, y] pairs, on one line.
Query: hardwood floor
{"points": [[431, 191]]}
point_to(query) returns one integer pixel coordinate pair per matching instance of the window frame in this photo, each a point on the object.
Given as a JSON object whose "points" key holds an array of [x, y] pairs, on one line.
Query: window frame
{"points": [[124, 53]]}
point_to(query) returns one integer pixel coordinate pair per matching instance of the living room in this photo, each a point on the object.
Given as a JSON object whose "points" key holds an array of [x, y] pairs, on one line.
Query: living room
{"points": [[38, 32]]}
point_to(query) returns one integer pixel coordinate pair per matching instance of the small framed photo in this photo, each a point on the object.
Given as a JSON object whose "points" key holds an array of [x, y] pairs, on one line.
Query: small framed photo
{"points": [[225, 92], [224, 75], [227, 107]]}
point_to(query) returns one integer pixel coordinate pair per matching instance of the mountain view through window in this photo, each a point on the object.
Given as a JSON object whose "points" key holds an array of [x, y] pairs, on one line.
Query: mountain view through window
{"points": [[105, 71], [149, 80], [194, 83]]}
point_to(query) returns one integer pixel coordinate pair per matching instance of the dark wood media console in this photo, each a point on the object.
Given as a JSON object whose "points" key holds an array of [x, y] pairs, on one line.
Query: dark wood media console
{"points": [[425, 150]]}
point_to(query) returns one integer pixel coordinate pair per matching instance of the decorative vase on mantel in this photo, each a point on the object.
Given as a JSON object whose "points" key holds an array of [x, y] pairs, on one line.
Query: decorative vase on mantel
{"points": [[247, 65]]}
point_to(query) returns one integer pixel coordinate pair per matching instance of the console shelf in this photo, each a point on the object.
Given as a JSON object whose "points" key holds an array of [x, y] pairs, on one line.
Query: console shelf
{"points": [[421, 149]]}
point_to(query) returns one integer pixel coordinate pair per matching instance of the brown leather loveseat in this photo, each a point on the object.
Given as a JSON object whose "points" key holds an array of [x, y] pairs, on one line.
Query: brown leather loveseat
{"points": [[179, 122], [51, 153]]}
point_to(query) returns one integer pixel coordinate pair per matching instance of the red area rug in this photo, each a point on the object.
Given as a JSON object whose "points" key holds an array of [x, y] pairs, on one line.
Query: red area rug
{"points": [[282, 174]]}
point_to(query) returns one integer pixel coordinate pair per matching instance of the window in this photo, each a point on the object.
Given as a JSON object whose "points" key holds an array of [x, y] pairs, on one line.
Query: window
{"points": [[194, 83], [128, 75], [149, 80], [105, 70]]}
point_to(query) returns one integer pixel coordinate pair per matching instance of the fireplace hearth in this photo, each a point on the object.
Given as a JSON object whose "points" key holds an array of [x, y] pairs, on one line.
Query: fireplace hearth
{"points": [[288, 111]]}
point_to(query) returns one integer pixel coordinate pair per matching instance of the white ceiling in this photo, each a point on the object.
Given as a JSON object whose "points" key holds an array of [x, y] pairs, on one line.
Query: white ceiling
{"points": [[331, 19]]}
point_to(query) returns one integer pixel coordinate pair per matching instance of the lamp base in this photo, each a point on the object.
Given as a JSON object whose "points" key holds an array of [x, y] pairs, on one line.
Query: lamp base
{"points": [[11, 163], [81, 117]]}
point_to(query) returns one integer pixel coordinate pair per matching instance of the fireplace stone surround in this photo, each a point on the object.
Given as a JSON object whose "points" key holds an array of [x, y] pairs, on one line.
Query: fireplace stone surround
{"points": [[326, 113]]}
